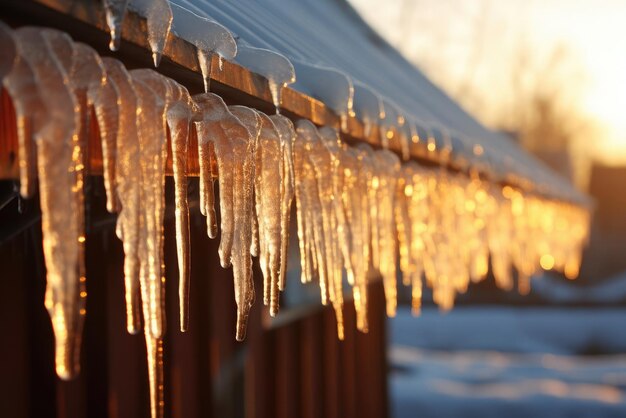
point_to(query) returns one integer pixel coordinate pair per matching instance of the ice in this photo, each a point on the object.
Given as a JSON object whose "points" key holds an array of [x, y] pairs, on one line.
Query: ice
{"points": [[355, 181], [151, 130], [277, 69], [415, 194], [385, 167], [268, 198], [287, 137], [61, 219], [252, 121], [115, 13], [158, 14], [331, 86], [22, 86], [233, 146], [154, 351], [128, 185], [368, 107], [326, 220], [335, 147], [309, 209], [178, 113], [208, 36], [152, 137], [107, 110]]}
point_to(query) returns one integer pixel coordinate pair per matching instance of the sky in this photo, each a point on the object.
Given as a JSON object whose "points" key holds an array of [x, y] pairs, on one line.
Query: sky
{"points": [[472, 44]]}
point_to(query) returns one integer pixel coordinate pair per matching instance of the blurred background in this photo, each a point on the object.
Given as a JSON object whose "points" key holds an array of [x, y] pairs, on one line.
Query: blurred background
{"points": [[552, 75]]}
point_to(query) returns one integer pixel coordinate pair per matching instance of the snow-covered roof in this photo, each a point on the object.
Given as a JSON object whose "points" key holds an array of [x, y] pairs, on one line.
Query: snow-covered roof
{"points": [[340, 60]]}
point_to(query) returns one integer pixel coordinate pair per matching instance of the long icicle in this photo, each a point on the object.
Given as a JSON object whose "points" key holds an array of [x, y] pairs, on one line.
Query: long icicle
{"points": [[55, 139], [127, 186], [233, 146]]}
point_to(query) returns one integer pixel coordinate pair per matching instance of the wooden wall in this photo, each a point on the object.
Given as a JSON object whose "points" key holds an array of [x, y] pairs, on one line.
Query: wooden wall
{"points": [[298, 369]]}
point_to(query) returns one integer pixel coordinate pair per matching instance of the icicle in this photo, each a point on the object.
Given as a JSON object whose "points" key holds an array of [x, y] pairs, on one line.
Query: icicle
{"points": [[277, 69], [54, 136], [151, 126], [21, 85], [287, 137], [252, 121], [107, 110], [178, 112], [267, 187], [385, 165], [208, 36], [115, 13], [333, 144], [355, 203], [154, 350], [326, 226], [309, 209], [158, 14], [153, 155], [304, 239], [233, 144], [128, 185]]}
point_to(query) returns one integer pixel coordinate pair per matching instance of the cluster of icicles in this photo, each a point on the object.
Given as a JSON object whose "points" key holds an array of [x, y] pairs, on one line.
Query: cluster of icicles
{"points": [[358, 209]]}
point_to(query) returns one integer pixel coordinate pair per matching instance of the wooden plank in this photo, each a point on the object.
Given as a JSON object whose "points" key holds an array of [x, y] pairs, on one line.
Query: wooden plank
{"points": [[311, 366]]}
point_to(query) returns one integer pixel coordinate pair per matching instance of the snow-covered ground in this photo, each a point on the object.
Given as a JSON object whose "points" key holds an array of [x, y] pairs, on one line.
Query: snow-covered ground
{"points": [[509, 362]]}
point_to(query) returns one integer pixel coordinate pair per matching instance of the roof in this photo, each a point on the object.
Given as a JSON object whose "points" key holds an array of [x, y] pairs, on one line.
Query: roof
{"points": [[328, 37]]}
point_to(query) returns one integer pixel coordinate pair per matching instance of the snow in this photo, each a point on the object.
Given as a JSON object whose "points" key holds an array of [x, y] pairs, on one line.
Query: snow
{"points": [[554, 289], [508, 362]]}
